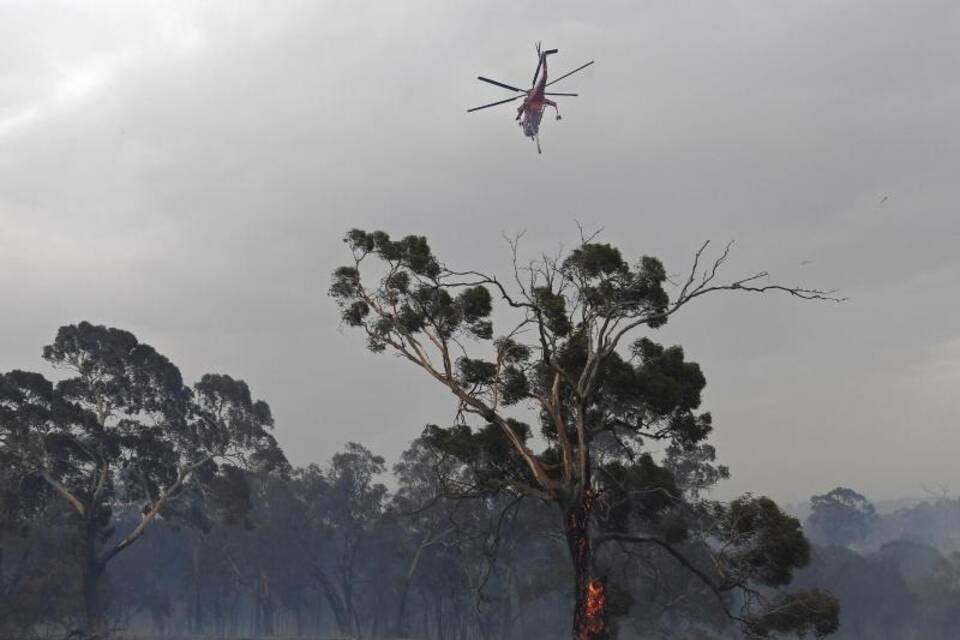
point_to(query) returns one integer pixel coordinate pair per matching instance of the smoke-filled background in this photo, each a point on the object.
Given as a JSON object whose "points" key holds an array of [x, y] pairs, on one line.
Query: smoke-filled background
{"points": [[187, 171]]}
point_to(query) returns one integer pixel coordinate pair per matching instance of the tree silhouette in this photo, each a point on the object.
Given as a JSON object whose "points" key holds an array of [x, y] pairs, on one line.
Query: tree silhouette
{"points": [[122, 430], [841, 517]]}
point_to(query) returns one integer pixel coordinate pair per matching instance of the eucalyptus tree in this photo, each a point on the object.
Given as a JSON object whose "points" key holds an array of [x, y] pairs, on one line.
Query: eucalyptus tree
{"points": [[841, 516], [353, 505], [121, 431], [422, 507], [342, 507], [470, 549], [572, 352]]}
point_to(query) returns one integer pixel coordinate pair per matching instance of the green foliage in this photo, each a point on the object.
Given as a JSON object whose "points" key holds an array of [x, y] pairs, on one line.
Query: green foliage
{"points": [[117, 371], [765, 542], [346, 282], [813, 612], [409, 298], [841, 517], [592, 261], [228, 419], [355, 494], [654, 396], [229, 495], [512, 352], [668, 381], [476, 372], [475, 306], [40, 588], [487, 452], [412, 252], [515, 386], [553, 307], [693, 467], [355, 313], [609, 286], [638, 493]]}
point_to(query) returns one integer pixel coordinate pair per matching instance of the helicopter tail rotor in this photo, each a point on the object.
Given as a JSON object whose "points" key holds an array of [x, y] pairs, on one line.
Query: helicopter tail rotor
{"points": [[541, 57]]}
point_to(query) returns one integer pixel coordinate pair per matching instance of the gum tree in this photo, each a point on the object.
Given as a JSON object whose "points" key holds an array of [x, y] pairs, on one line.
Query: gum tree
{"points": [[573, 350], [123, 432], [841, 517]]}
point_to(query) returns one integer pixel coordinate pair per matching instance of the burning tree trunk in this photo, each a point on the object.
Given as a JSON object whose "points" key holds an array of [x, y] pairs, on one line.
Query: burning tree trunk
{"points": [[590, 598]]}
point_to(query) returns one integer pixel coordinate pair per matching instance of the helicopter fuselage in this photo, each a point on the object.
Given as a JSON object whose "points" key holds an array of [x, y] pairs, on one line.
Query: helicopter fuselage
{"points": [[530, 119], [531, 111]]}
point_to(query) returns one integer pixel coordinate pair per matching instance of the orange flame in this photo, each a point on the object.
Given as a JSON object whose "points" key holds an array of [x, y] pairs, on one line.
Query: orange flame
{"points": [[593, 617]]}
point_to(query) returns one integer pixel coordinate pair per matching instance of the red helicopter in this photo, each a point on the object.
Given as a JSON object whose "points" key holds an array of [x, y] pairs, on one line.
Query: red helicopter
{"points": [[535, 99]]}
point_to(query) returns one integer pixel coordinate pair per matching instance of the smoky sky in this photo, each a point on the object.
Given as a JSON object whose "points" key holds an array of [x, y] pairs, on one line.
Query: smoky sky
{"points": [[187, 170]]}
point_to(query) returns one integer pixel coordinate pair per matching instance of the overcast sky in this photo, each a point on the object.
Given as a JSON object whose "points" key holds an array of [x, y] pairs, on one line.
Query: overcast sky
{"points": [[186, 171]]}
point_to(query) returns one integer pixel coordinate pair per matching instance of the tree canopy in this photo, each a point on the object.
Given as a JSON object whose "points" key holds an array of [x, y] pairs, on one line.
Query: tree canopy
{"points": [[841, 516]]}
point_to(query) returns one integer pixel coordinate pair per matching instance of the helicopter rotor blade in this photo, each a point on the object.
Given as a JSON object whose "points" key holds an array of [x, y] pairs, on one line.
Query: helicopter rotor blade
{"points": [[493, 104], [500, 84], [548, 93], [566, 75]]}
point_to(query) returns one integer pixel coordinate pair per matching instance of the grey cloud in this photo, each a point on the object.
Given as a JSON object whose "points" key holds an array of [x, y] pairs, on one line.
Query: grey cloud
{"points": [[197, 192]]}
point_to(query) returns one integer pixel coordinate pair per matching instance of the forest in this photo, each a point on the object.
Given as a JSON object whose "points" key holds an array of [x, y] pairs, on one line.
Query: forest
{"points": [[570, 489]]}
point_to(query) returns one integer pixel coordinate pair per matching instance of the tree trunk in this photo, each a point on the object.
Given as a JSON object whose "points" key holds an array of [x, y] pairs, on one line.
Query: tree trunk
{"points": [[197, 625], [438, 610], [92, 571], [298, 612], [590, 601], [334, 601], [377, 612], [235, 609], [507, 617], [426, 616], [266, 605], [91, 605], [257, 609], [400, 620]]}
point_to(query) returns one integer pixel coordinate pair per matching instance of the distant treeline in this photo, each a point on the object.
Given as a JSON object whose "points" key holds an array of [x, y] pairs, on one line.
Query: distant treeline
{"points": [[329, 552], [897, 575]]}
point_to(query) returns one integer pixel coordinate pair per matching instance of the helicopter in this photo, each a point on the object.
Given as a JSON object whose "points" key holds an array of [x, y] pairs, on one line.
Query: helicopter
{"points": [[535, 99]]}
